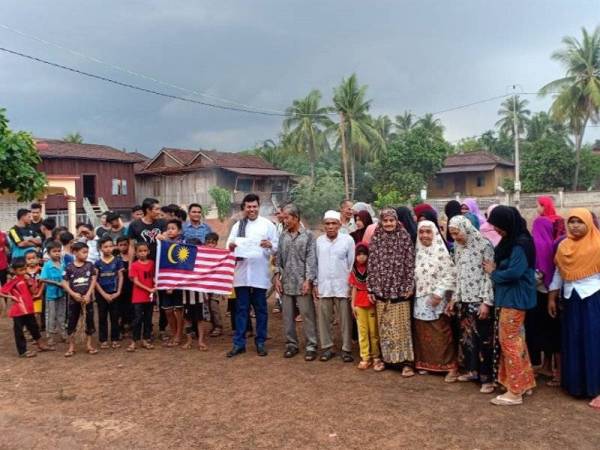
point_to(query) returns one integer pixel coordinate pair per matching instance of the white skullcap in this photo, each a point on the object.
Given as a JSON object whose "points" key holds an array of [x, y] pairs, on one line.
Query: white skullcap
{"points": [[331, 214]]}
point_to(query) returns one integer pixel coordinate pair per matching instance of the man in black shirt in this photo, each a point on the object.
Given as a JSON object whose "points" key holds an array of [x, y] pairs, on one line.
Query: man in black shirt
{"points": [[21, 236], [149, 228], [36, 219]]}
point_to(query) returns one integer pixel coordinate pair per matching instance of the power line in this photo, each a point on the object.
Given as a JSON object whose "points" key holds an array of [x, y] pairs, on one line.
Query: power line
{"points": [[138, 88], [132, 72]]}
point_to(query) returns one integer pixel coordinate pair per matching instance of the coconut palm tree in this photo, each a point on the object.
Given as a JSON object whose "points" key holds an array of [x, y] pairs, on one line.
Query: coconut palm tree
{"points": [[541, 125], [404, 122], [384, 126], [577, 94], [434, 126], [357, 135], [74, 138], [507, 111], [305, 127]]}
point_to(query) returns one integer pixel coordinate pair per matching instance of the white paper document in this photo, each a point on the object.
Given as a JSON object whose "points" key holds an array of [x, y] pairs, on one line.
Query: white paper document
{"points": [[248, 248]]}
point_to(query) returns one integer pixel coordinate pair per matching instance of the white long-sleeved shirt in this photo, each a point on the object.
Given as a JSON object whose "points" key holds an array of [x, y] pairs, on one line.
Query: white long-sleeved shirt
{"points": [[585, 287], [255, 272], [334, 260]]}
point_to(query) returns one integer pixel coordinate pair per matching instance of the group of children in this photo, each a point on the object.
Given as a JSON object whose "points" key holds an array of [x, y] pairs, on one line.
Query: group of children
{"points": [[121, 282]]}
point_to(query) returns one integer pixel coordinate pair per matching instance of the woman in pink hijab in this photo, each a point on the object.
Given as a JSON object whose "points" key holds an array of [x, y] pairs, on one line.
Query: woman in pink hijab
{"points": [[488, 230]]}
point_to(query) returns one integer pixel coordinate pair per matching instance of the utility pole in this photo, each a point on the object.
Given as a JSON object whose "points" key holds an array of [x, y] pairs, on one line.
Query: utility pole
{"points": [[517, 198]]}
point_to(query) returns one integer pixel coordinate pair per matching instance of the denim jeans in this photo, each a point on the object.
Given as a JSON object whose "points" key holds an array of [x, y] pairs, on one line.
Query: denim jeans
{"points": [[256, 297]]}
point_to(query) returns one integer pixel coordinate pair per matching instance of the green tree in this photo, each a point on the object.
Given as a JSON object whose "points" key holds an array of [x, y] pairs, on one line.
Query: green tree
{"points": [[577, 99], [74, 138], [325, 193], [19, 159], [431, 125], [508, 109], [222, 198], [404, 122], [357, 135], [384, 126], [541, 125], [305, 127], [410, 162], [546, 164]]}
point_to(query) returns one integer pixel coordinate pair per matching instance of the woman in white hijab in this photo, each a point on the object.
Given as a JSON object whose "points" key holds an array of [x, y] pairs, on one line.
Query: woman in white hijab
{"points": [[435, 278]]}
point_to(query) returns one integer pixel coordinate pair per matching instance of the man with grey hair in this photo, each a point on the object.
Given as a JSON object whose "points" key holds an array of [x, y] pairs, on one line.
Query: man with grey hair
{"points": [[347, 217], [335, 258], [295, 272]]}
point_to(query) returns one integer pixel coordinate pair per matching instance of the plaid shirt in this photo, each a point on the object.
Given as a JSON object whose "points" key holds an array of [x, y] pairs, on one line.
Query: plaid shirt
{"points": [[190, 232]]}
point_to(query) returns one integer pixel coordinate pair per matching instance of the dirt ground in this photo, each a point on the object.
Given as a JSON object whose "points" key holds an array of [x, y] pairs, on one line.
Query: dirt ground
{"points": [[170, 398]]}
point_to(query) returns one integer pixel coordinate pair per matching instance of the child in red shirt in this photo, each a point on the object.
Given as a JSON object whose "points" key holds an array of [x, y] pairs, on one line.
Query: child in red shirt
{"points": [[21, 311], [36, 287], [141, 273], [365, 312]]}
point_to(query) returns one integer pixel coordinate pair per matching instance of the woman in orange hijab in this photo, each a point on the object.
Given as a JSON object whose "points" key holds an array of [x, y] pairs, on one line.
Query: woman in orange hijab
{"points": [[578, 272]]}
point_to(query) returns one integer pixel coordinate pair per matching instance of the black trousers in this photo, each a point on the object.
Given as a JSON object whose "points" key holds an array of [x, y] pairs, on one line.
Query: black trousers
{"points": [[126, 309], [74, 312], [27, 321], [142, 318], [162, 316], [108, 310]]}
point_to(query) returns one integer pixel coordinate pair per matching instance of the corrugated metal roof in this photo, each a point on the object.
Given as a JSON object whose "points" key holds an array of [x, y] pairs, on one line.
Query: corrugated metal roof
{"points": [[54, 148], [474, 168], [260, 172]]}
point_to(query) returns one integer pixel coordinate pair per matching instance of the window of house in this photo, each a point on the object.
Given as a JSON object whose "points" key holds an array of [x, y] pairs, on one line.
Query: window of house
{"points": [[278, 185], [259, 184], [244, 184], [156, 188], [119, 186], [439, 182], [480, 181]]}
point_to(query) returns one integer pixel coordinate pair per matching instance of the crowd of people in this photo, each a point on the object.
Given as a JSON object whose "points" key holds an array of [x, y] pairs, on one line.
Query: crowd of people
{"points": [[475, 296]]}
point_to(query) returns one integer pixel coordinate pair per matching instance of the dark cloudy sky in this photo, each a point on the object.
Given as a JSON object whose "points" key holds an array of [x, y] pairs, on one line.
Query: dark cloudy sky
{"points": [[421, 55]]}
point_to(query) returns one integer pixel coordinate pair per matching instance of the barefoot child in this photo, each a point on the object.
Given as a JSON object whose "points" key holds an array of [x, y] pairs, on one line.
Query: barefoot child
{"points": [[141, 273], [364, 311], [173, 298], [21, 310], [80, 280], [33, 281], [109, 269], [56, 302]]}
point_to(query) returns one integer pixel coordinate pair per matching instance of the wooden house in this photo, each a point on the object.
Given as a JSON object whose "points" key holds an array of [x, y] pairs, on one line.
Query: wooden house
{"points": [[476, 174], [183, 176], [102, 175]]}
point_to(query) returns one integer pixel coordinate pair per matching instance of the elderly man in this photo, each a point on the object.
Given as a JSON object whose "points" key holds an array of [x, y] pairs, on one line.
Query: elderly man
{"points": [[252, 276], [335, 257], [296, 267], [347, 217]]}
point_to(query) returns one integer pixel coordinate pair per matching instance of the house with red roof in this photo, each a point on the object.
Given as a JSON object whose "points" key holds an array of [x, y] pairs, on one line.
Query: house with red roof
{"points": [[476, 174], [182, 176]]}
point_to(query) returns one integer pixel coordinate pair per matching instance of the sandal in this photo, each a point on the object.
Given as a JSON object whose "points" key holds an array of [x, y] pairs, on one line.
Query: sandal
{"points": [[69, 353], [554, 382], [407, 372], [202, 347], [115, 345], [147, 345], [422, 372], [28, 354], [450, 377], [467, 377], [46, 348], [104, 345], [186, 346], [216, 332], [326, 355], [487, 388], [364, 365], [131, 348], [378, 365], [92, 351], [501, 400]]}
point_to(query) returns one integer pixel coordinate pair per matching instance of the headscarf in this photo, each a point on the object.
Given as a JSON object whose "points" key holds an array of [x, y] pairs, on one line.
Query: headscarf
{"points": [[509, 220], [434, 268], [488, 230], [544, 248], [549, 211], [360, 270], [391, 261], [451, 209], [421, 208], [405, 217], [432, 216], [579, 258], [366, 219], [473, 284], [474, 209]]}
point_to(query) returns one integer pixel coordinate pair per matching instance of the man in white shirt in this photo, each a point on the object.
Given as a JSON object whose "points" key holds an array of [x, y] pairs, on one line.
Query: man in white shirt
{"points": [[252, 275], [347, 217], [335, 257]]}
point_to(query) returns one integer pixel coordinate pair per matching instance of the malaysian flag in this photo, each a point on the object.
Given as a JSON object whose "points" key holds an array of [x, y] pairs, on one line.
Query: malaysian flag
{"points": [[194, 268]]}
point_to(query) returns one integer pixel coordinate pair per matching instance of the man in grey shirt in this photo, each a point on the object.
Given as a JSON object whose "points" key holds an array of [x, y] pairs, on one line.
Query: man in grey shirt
{"points": [[296, 270]]}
